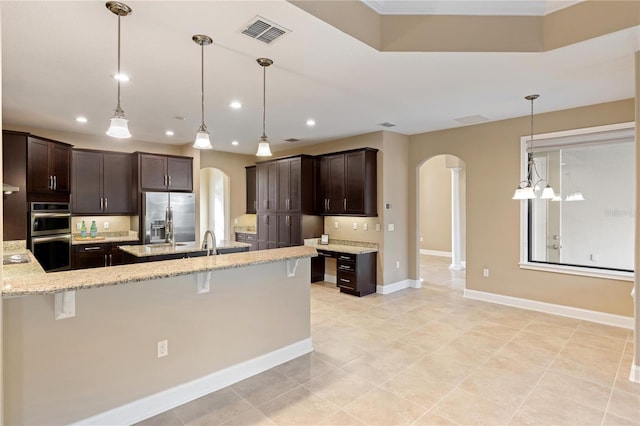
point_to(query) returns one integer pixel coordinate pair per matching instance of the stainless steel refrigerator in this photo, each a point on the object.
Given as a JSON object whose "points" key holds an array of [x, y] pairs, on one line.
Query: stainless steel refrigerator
{"points": [[160, 207]]}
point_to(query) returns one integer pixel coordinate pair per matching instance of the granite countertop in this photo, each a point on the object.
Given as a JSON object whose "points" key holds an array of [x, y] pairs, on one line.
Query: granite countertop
{"points": [[343, 246], [164, 249], [245, 229], [56, 282], [105, 237], [21, 269]]}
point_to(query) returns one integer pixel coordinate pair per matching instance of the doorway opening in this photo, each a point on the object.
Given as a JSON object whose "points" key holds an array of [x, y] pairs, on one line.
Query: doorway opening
{"points": [[214, 203], [441, 209]]}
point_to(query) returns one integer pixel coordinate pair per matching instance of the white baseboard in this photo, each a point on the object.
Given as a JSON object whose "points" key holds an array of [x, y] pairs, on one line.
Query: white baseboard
{"points": [[436, 253], [397, 286], [634, 375], [330, 278], [549, 308], [160, 402]]}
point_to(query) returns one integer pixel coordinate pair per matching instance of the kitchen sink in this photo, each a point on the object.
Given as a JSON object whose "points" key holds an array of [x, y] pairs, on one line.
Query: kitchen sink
{"points": [[165, 245], [11, 259]]}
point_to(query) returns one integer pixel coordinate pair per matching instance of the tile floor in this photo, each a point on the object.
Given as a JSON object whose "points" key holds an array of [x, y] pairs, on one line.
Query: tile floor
{"points": [[430, 357]]}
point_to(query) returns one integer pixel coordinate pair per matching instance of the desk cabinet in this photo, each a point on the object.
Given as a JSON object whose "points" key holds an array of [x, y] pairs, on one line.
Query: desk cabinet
{"points": [[355, 273]]}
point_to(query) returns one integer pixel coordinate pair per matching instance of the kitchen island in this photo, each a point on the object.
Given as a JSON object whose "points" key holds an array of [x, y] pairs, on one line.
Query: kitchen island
{"points": [[224, 318]]}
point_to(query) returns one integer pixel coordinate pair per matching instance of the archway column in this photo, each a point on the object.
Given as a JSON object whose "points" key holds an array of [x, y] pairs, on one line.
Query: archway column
{"points": [[456, 238]]}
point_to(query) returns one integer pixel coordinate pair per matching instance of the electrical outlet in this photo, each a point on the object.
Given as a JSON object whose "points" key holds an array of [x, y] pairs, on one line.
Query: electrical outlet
{"points": [[355, 226], [391, 227], [365, 227], [335, 224], [397, 264], [378, 227], [421, 239], [78, 226], [485, 272], [235, 221], [163, 348], [105, 225]]}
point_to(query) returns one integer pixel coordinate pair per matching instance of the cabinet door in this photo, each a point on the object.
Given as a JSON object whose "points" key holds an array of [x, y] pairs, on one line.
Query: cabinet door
{"points": [[116, 256], [86, 186], [38, 177], [262, 185], [60, 166], [335, 202], [117, 183], [267, 231], [252, 203], [283, 185], [180, 174], [295, 183], [153, 172], [355, 182], [284, 230], [272, 189], [89, 256]]}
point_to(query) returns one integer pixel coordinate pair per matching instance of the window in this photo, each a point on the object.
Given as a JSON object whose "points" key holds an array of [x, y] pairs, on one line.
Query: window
{"points": [[588, 228]]}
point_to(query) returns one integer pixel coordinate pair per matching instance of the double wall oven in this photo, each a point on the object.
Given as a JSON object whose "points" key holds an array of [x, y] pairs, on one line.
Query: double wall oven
{"points": [[50, 233]]}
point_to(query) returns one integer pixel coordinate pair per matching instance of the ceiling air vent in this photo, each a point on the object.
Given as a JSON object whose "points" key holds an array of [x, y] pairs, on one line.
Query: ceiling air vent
{"points": [[387, 124], [264, 30], [292, 140]]}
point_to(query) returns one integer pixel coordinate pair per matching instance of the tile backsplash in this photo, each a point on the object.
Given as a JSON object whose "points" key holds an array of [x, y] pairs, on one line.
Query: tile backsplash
{"points": [[115, 223]]}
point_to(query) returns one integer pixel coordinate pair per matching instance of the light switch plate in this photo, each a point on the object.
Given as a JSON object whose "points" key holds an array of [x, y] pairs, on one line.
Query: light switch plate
{"points": [[365, 227], [355, 226], [391, 227], [105, 225]]}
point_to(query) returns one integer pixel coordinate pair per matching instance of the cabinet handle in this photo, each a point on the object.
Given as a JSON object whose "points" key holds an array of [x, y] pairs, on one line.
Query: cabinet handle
{"points": [[344, 280], [101, 204], [255, 207], [169, 180], [344, 267], [266, 220], [105, 261], [55, 182], [288, 204], [328, 204], [288, 221], [345, 204], [110, 260], [106, 203], [91, 248], [50, 183]]}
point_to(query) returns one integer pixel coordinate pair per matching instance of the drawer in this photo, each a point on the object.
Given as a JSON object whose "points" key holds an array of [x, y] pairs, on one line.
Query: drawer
{"points": [[347, 257], [347, 280], [322, 253], [346, 266], [241, 237], [91, 248], [251, 237]]}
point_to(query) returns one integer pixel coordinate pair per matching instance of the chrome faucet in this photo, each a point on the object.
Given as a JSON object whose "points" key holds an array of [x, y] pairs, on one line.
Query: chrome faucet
{"points": [[210, 249]]}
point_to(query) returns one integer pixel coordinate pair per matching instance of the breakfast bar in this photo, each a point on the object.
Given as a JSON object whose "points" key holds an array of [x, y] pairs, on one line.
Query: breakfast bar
{"points": [[149, 333]]}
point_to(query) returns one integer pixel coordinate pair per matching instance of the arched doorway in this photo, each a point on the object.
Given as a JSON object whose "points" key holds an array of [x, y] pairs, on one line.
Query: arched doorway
{"points": [[441, 209], [214, 203]]}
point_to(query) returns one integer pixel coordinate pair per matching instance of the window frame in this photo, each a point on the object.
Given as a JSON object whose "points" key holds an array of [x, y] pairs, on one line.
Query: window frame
{"points": [[555, 138]]}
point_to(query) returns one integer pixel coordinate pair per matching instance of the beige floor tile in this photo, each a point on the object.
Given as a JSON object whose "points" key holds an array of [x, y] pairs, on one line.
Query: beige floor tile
{"points": [[458, 352], [623, 383], [546, 328], [587, 393], [168, 418], [373, 368], [611, 420], [213, 409], [544, 408], [626, 405], [381, 407], [614, 344], [305, 368], [252, 417], [479, 341], [339, 387], [299, 407], [468, 408], [433, 419], [492, 329], [264, 387], [337, 353], [527, 353], [544, 341], [418, 387], [440, 367], [604, 330], [557, 320], [586, 362], [342, 418]]}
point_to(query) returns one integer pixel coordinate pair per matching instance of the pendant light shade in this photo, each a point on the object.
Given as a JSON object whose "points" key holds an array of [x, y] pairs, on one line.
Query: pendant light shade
{"points": [[119, 127], [202, 135], [527, 188], [263, 145]]}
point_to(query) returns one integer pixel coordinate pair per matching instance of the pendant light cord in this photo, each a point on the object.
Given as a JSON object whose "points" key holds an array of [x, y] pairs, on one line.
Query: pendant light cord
{"points": [[202, 81], [264, 101], [118, 108]]}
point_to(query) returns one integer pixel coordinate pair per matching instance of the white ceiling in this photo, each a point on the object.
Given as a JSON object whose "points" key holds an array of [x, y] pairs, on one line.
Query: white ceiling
{"points": [[469, 7], [58, 58]]}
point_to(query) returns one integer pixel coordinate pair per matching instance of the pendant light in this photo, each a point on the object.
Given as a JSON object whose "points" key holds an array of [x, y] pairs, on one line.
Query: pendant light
{"points": [[119, 127], [527, 187], [202, 136], [263, 145]]}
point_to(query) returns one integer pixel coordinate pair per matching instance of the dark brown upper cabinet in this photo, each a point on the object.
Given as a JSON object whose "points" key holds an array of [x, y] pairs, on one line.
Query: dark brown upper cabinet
{"points": [[252, 190], [102, 183], [164, 172], [346, 183], [286, 185], [14, 172], [48, 166]]}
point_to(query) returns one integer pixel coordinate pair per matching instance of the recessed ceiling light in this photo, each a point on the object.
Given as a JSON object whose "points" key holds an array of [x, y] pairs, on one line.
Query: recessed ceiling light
{"points": [[235, 143], [81, 119], [179, 117], [121, 77], [311, 122], [169, 133], [235, 105]]}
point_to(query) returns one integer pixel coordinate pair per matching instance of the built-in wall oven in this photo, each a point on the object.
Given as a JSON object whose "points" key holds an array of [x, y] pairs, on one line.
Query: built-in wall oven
{"points": [[50, 233]]}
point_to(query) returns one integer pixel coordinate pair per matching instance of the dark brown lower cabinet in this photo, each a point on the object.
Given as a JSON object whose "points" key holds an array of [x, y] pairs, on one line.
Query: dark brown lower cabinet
{"points": [[249, 238], [355, 273], [97, 255]]}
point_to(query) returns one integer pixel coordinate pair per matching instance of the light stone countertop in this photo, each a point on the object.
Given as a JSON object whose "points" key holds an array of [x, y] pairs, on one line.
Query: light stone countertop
{"points": [[21, 269], [55, 282], [105, 237], [164, 249], [342, 246]]}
